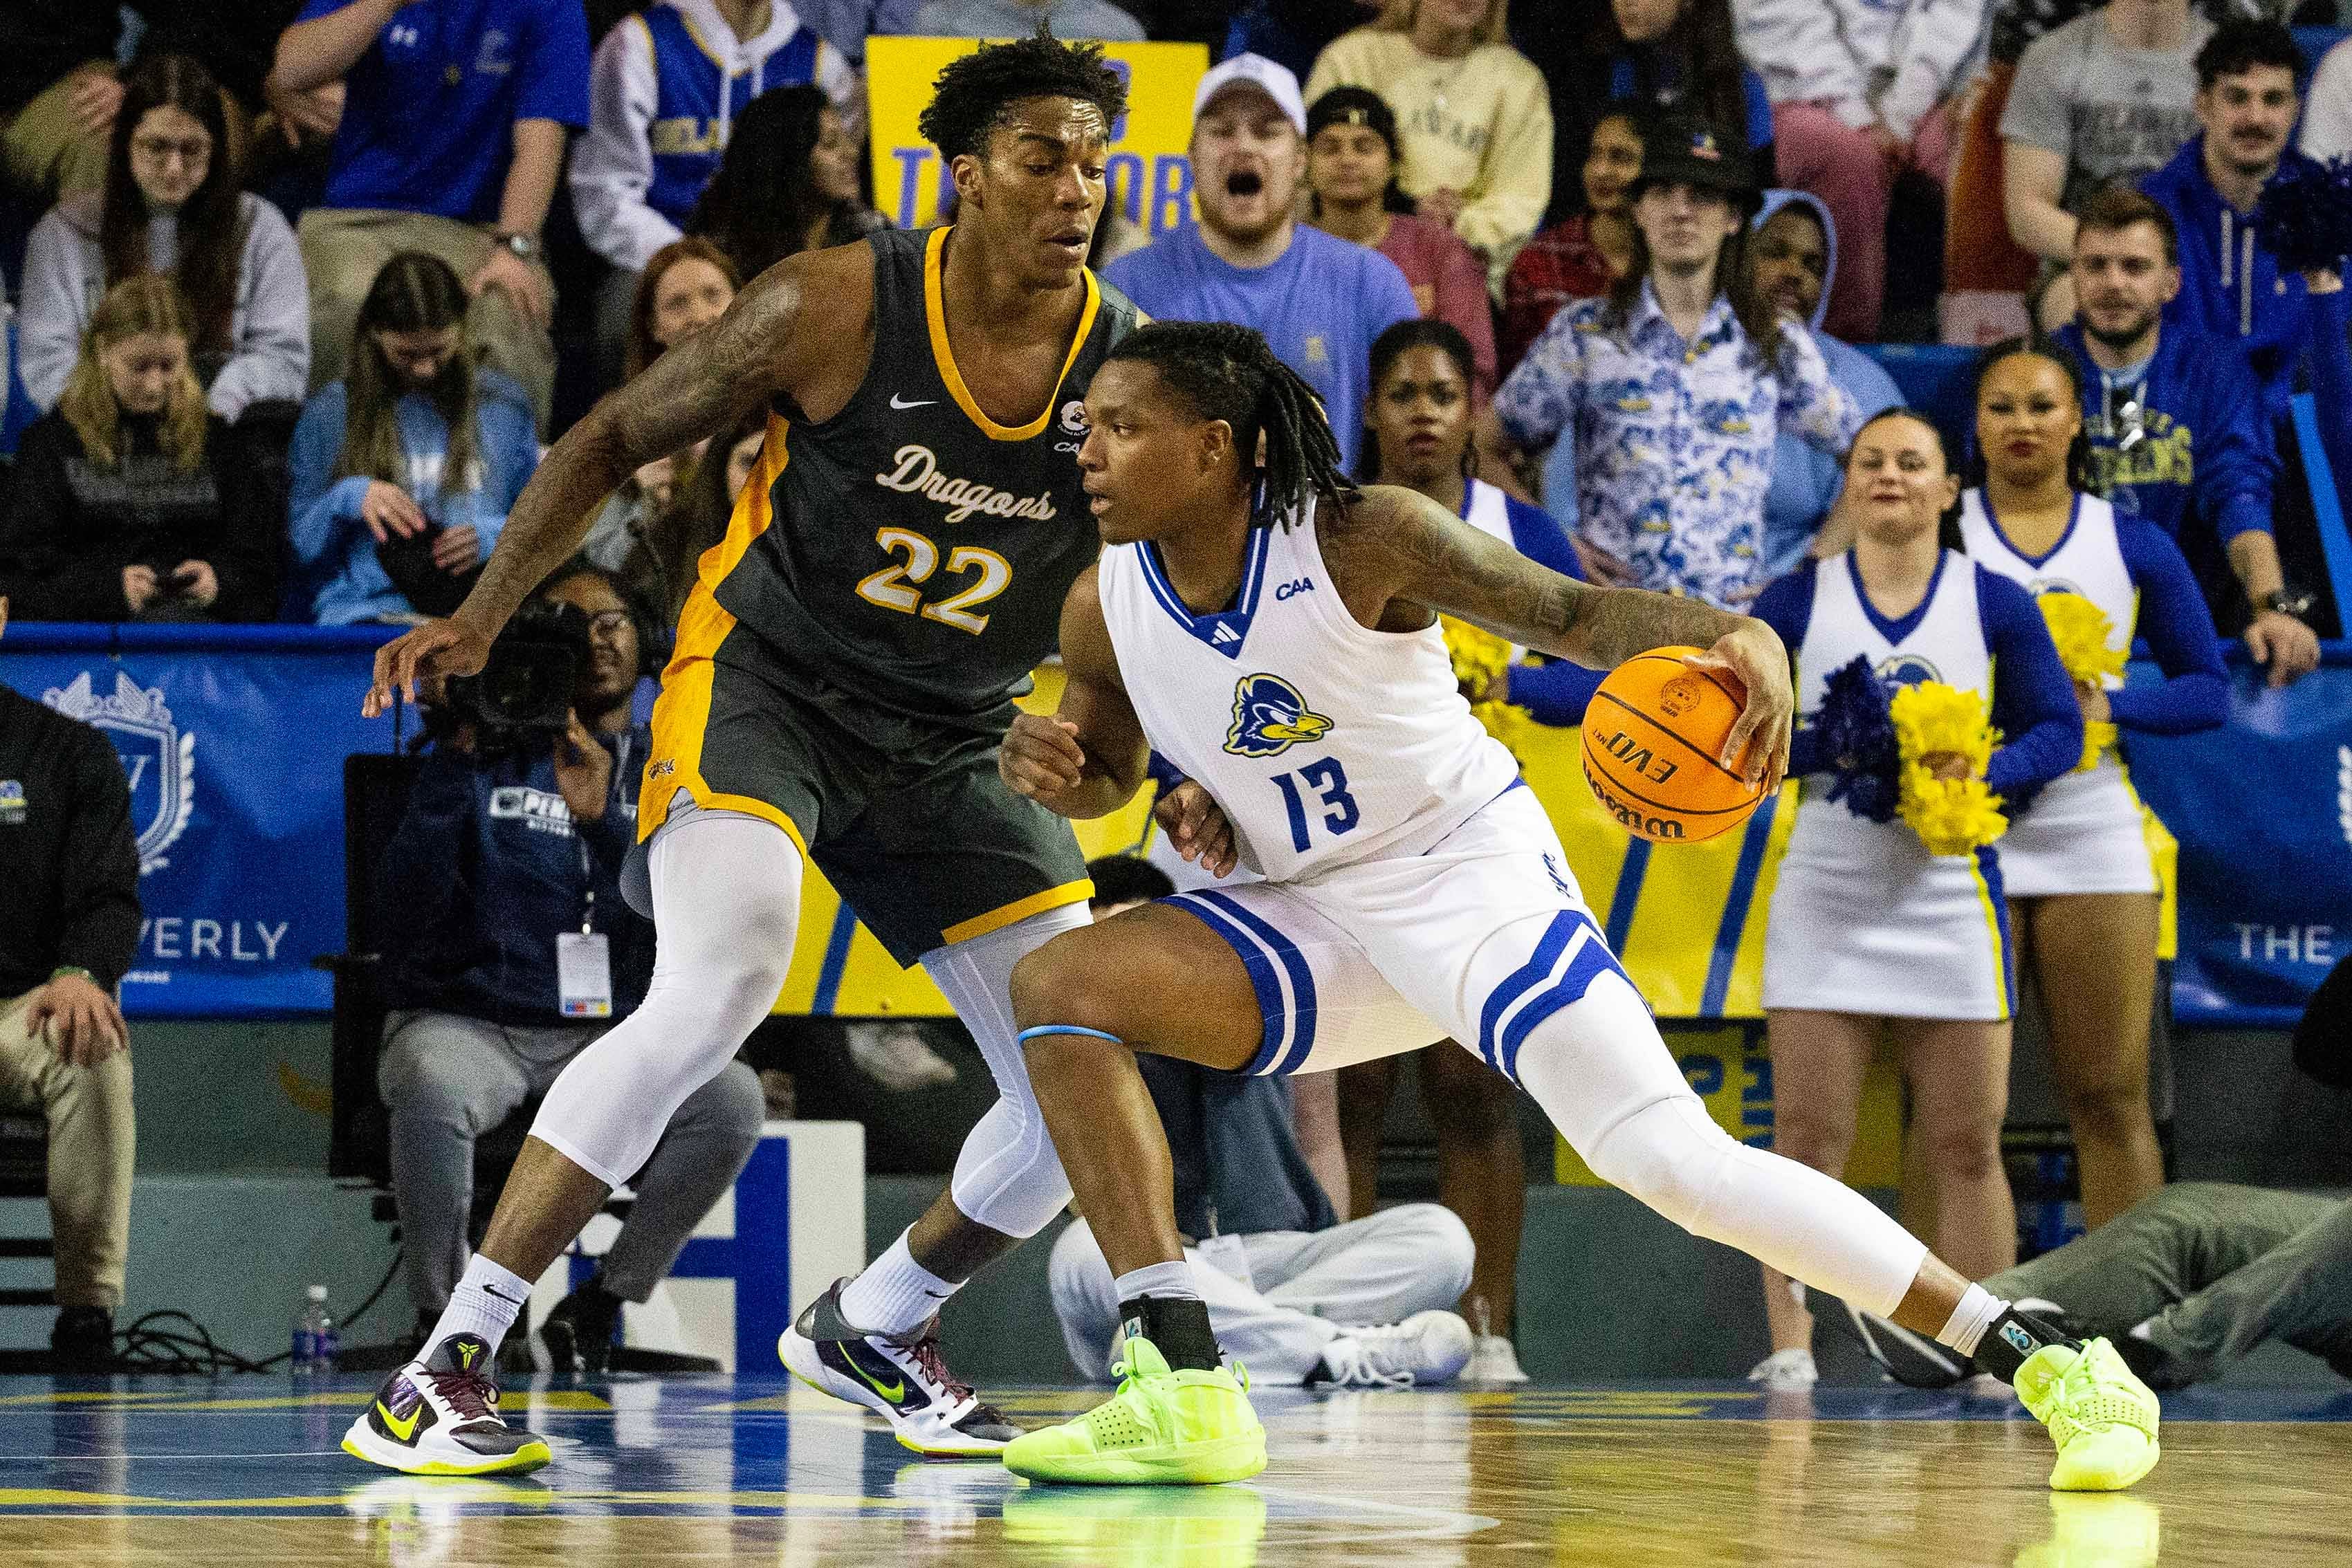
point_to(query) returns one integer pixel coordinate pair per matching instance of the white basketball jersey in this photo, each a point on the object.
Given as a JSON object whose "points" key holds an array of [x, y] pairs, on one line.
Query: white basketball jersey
{"points": [[1943, 639], [1327, 743], [2086, 560]]}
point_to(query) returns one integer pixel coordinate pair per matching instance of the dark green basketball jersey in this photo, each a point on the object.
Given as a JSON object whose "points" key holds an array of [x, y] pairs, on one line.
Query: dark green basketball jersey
{"points": [[911, 552]]}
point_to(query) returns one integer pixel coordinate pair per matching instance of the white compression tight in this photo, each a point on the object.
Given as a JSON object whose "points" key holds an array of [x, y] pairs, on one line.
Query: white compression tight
{"points": [[1007, 1176], [1601, 1072], [727, 901]]}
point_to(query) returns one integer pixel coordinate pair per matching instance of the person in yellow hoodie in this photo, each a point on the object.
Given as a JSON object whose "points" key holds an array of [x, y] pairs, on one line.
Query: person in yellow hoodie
{"points": [[1474, 116]]}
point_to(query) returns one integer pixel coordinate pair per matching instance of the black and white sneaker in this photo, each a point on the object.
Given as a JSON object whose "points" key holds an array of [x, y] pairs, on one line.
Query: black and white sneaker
{"points": [[1909, 1358], [440, 1416], [902, 1380]]}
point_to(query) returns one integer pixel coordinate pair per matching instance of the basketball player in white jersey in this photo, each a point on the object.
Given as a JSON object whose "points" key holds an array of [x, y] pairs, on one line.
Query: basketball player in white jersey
{"points": [[1271, 630], [2080, 879]]}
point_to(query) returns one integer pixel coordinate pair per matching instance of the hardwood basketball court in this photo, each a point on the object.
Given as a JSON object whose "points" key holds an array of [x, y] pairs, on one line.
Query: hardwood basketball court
{"points": [[246, 1471]]}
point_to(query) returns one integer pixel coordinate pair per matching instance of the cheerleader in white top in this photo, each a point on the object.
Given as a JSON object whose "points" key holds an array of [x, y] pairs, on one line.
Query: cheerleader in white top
{"points": [[1871, 937], [1270, 630], [2081, 885], [1417, 434]]}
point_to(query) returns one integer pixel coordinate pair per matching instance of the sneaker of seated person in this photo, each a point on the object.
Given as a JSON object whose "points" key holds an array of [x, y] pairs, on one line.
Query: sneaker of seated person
{"points": [[896, 1056], [1427, 1347], [82, 1341], [1494, 1359], [578, 1334], [1785, 1370]]}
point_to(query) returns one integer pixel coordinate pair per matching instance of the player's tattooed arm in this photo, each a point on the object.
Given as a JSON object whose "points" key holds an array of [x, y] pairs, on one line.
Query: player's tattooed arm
{"points": [[775, 338], [1089, 759], [803, 329], [1398, 545]]}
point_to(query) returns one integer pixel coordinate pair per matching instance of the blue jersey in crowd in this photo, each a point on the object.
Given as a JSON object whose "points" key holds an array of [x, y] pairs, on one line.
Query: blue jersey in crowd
{"points": [[2186, 443], [429, 109], [1320, 305], [695, 98]]}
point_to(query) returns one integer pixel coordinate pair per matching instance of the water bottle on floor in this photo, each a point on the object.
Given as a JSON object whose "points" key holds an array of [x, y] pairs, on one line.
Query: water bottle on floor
{"points": [[315, 1342]]}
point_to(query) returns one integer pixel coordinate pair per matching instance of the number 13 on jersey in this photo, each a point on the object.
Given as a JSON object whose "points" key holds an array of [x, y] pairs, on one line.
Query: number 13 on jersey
{"points": [[1327, 781]]}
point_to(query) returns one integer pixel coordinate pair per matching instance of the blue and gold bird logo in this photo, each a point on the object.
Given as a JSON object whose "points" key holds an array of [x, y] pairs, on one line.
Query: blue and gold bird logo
{"points": [[1270, 717]]}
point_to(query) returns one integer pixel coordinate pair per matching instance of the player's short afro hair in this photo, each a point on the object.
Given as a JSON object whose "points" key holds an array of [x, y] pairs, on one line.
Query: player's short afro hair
{"points": [[976, 92]]}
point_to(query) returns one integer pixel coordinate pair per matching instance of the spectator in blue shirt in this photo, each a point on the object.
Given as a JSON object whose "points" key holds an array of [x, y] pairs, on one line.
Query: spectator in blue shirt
{"points": [[2292, 325], [402, 471], [1793, 254], [451, 142], [1318, 299], [2179, 435]]}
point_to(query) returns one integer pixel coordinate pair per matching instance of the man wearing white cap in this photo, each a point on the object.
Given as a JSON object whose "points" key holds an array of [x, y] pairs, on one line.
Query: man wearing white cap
{"points": [[1318, 299]]}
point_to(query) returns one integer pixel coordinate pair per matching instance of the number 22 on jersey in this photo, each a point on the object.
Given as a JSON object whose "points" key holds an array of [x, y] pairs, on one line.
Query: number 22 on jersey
{"points": [[896, 586], [1328, 781]]}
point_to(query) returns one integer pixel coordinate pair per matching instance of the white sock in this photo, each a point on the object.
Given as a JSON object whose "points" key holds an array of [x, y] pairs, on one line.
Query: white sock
{"points": [[1168, 1282], [485, 1303], [895, 1295], [1979, 1309]]}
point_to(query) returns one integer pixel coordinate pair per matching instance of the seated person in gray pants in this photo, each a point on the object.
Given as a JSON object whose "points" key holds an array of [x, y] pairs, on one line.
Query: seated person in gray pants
{"points": [[2194, 1275], [1294, 1295], [517, 952]]}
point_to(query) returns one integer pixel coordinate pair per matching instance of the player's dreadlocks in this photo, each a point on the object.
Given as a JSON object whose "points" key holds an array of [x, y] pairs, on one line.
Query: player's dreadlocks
{"points": [[1228, 373], [976, 92]]}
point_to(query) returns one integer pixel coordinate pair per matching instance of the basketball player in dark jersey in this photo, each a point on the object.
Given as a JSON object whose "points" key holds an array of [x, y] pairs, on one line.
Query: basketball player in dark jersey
{"points": [[845, 671]]}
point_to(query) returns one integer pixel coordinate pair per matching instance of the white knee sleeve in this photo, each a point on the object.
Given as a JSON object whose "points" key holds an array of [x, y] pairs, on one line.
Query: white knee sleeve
{"points": [[1007, 1176], [726, 897], [1603, 1073]]}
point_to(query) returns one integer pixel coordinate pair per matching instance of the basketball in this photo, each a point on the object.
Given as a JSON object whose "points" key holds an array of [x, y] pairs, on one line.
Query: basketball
{"points": [[1653, 737]]}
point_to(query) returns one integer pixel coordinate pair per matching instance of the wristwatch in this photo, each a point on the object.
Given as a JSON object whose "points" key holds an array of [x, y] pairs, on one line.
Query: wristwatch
{"points": [[2288, 602], [523, 246]]}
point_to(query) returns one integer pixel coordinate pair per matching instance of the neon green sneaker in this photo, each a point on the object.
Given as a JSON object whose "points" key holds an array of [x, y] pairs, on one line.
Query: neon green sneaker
{"points": [[2100, 1415], [1161, 1428]]}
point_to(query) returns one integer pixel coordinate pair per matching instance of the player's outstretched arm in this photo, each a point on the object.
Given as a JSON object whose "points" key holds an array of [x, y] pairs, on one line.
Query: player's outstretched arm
{"points": [[1397, 544], [786, 332], [1090, 758]]}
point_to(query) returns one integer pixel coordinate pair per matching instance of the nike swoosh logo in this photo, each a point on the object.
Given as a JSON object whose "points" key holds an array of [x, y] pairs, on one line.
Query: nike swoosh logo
{"points": [[404, 1430], [896, 1392], [900, 403]]}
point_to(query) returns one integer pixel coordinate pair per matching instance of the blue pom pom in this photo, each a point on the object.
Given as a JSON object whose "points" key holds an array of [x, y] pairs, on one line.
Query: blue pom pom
{"points": [[2305, 218], [1859, 736]]}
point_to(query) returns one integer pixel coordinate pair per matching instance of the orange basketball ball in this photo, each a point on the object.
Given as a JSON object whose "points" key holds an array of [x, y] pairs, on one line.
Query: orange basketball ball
{"points": [[1652, 738]]}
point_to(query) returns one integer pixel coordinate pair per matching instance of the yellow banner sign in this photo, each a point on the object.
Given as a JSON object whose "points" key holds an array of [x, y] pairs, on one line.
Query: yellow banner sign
{"points": [[1150, 175]]}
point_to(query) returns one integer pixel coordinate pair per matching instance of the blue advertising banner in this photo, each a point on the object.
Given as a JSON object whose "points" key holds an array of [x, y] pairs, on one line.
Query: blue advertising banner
{"points": [[234, 739], [2263, 808]]}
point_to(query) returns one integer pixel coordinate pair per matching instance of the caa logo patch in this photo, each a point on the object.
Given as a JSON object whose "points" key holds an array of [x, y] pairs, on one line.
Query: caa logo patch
{"points": [[1073, 417], [160, 760], [1906, 670], [1270, 717]]}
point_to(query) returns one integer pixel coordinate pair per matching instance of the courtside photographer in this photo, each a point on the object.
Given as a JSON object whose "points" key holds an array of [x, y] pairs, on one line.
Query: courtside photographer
{"points": [[515, 951]]}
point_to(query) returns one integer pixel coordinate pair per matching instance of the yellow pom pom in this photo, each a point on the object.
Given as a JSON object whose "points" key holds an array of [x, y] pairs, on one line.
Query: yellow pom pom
{"points": [[1482, 662], [2082, 631], [1951, 816], [2098, 735]]}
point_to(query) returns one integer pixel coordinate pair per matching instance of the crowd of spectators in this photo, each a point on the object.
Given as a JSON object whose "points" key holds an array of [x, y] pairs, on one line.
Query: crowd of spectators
{"points": [[288, 319], [1448, 159]]}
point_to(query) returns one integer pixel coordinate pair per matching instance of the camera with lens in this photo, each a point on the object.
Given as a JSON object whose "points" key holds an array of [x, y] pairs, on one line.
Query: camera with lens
{"points": [[526, 689]]}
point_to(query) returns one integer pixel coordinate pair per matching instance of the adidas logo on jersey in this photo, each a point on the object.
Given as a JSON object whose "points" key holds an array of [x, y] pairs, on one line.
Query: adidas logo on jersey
{"points": [[917, 474], [1223, 633]]}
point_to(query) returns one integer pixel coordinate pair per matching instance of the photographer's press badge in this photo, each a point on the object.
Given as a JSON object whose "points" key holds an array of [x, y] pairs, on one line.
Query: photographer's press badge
{"points": [[583, 974]]}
